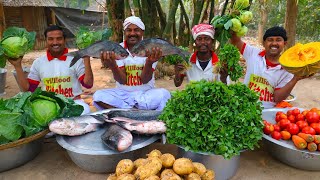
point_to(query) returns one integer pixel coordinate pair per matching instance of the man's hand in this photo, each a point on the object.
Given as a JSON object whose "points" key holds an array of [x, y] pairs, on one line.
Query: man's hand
{"points": [[16, 62], [154, 55], [108, 58]]}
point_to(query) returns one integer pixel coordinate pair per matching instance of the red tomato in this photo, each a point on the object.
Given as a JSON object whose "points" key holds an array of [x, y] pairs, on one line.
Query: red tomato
{"points": [[283, 116], [301, 124], [293, 129], [305, 112], [295, 112], [283, 123], [300, 117], [276, 127], [312, 117], [268, 128], [308, 130], [314, 109], [278, 118], [316, 127], [318, 112], [292, 118], [289, 112], [279, 112], [285, 135], [276, 135], [265, 122]]}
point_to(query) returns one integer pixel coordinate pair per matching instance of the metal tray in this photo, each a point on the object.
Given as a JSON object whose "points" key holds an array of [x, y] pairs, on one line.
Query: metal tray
{"points": [[285, 151], [89, 152]]}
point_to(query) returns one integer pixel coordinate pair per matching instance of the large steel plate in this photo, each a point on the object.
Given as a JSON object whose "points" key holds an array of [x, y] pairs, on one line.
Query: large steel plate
{"points": [[285, 151]]}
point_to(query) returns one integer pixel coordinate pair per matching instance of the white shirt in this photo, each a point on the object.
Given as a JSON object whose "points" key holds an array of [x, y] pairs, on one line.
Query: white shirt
{"points": [[263, 78], [57, 76], [134, 66]]}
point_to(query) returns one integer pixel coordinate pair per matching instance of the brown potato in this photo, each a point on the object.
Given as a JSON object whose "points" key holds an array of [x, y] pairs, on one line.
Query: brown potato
{"points": [[169, 174], [199, 168], [154, 153], [126, 177], [139, 162], [167, 160], [112, 177], [124, 166], [209, 175], [183, 166], [152, 167], [193, 176], [153, 177]]}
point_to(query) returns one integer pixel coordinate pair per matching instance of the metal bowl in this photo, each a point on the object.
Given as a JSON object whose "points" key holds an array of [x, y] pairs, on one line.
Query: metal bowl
{"points": [[89, 153], [19, 152], [285, 151], [223, 168]]}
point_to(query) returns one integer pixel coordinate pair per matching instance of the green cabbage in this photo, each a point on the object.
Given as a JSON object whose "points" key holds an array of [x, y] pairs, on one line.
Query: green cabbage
{"points": [[243, 31], [16, 42], [236, 25], [44, 111], [246, 17]]}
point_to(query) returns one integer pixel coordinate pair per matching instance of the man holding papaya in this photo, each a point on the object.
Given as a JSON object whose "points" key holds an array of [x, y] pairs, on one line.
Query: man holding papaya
{"points": [[264, 73]]}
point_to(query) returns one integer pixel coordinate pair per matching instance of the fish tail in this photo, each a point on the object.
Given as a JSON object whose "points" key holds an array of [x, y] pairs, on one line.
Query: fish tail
{"points": [[75, 59]]}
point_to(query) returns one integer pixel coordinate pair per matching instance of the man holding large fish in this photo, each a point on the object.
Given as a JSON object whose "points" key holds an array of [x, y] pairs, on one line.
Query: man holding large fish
{"points": [[52, 70], [134, 75]]}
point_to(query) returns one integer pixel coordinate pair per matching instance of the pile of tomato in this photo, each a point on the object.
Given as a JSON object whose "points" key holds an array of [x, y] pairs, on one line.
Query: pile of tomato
{"points": [[292, 123]]}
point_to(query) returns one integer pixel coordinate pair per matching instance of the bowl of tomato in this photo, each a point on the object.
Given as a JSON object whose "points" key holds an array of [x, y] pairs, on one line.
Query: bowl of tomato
{"points": [[284, 133]]}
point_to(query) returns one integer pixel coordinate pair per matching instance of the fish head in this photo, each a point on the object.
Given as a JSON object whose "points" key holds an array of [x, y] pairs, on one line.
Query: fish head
{"points": [[139, 50], [121, 53]]}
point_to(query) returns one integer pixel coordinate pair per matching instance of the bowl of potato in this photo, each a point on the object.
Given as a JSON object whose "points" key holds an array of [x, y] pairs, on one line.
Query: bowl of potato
{"points": [[157, 165]]}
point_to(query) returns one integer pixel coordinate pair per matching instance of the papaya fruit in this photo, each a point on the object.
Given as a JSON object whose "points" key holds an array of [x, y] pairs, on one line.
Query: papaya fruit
{"points": [[302, 59]]}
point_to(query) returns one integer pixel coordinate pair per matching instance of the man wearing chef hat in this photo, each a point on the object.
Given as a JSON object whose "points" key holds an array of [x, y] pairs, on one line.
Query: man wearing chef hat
{"points": [[203, 60], [134, 75]]}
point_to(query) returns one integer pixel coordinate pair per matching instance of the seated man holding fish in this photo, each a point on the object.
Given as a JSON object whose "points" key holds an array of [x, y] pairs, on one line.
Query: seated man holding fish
{"points": [[134, 75], [203, 60], [53, 72]]}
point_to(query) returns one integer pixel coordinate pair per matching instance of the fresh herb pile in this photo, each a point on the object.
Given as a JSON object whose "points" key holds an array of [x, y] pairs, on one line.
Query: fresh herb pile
{"points": [[85, 37], [29, 113], [229, 57], [214, 118], [176, 59]]}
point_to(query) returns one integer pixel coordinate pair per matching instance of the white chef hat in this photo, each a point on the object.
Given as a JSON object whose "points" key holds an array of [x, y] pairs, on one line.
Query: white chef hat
{"points": [[133, 20]]}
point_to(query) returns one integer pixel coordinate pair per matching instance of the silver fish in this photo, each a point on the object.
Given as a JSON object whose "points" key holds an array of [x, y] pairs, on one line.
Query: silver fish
{"points": [[167, 48], [140, 127], [95, 50], [75, 126], [117, 138], [135, 114]]}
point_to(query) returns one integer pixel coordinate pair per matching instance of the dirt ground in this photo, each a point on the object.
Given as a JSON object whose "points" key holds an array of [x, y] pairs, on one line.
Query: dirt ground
{"points": [[54, 163]]}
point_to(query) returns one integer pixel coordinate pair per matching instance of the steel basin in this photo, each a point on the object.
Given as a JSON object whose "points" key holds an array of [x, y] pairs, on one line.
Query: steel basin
{"points": [[223, 168], [285, 151], [89, 153], [20, 152]]}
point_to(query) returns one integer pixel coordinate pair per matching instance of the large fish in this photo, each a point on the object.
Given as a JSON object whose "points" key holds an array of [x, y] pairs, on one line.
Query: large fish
{"points": [[135, 114], [140, 127], [117, 138], [95, 50], [75, 126], [167, 48]]}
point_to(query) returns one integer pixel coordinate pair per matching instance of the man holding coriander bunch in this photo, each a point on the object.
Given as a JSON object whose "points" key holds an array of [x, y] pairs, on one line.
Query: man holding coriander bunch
{"points": [[203, 60]]}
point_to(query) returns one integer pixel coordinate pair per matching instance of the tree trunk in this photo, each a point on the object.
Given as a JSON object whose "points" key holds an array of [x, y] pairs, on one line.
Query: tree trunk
{"points": [[198, 6], [290, 23], [115, 19], [145, 16], [136, 8], [224, 7], [171, 19], [211, 13], [184, 32], [153, 19], [2, 20], [127, 9], [205, 15], [162, 16], [263, 20]]}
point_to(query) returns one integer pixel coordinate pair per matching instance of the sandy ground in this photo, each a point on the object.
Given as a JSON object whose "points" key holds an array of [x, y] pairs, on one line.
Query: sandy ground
{"points": [[54, 163]]}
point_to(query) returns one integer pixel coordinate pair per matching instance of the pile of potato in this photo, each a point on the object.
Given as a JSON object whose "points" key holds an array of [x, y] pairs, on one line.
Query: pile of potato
{"points": [[161, 166]]}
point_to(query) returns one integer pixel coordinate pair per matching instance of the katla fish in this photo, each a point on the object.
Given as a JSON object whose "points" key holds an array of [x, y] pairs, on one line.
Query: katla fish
{"points": [[75, 126], [167, 48], [117, 138], [95, 50], [140, 127], [136, 114]]}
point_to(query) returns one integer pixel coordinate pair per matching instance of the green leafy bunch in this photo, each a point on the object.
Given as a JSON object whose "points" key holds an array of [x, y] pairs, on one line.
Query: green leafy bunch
{"points": [[212, 117], [176, 59], [85, 37], [15, 43], [236, 20], [229, 57], [29, 113]]}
